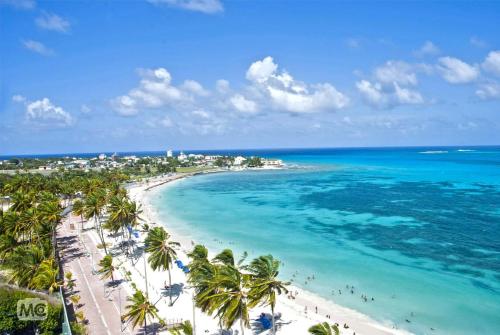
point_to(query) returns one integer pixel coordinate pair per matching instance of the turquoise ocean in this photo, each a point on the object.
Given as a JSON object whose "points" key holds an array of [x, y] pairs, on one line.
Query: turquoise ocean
{"points": [[417, 229]]}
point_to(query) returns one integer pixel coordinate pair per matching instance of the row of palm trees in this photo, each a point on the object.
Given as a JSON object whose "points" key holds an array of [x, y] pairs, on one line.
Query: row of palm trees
{"points": [[28, 233], [29, 221]]}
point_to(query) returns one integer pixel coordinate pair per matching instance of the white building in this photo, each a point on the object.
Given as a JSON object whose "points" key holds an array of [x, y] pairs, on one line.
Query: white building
{"points": [[102, 157], [239, 160], [272, 162], [182, 157], [170, 153]]}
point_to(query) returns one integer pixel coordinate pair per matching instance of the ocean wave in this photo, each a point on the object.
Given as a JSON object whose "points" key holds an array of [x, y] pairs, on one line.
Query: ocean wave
{"points": [[434, 152], [465, 150]]}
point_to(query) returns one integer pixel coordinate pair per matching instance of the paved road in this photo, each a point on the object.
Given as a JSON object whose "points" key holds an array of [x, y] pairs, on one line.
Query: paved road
{"points": [[100, 303]]}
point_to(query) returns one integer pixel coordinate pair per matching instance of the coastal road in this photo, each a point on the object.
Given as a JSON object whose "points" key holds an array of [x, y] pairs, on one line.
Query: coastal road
{"points": [[102, 305]]}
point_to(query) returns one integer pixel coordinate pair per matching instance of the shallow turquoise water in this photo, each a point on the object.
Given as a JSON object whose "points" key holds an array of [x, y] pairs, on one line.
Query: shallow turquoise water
{"points": [[419, 232]]}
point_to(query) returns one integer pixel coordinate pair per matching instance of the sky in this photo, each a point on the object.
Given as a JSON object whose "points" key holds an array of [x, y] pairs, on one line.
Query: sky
{"points": [[95, 76]]}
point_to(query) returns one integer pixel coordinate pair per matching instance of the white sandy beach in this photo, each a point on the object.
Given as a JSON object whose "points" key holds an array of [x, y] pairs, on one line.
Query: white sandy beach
{"points": [[294, 318]]}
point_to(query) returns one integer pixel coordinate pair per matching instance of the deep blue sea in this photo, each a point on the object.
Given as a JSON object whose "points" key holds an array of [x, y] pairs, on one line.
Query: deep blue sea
{"points": [[417, 229]]}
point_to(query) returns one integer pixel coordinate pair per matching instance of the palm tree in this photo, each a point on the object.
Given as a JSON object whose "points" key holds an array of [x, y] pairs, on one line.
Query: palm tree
{"points": [[79, 209], [46, 276], [324, 329], [162, 252], [23, 263], [185, 328], [50, 213], [201, 275], [107, 268], [139, 310], [94, 205], [230, 302], [265, 285]]}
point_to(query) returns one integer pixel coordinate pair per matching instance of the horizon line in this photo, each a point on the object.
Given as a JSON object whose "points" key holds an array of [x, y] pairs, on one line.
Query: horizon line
{"points": [[28, 155]]}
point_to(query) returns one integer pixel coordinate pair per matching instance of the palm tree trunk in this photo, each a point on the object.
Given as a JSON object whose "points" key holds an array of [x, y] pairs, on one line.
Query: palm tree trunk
{"points": [[170, 286], [101, 234], [145, 326], [272, 320], [241, 325]]}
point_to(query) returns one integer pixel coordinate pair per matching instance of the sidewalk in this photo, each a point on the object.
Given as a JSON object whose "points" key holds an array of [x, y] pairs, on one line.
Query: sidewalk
{"points": [[101, 304]]}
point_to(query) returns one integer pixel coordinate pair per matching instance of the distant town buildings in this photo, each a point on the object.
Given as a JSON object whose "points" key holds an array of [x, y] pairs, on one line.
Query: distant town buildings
{"points": [[182, 157], [170, 153]]}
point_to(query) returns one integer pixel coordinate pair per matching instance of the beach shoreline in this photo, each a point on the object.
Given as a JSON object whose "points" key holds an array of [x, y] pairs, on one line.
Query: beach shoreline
{"points": [[300, 313]]}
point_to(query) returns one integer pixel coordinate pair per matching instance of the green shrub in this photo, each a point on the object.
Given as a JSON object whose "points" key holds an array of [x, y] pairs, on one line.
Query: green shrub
{"points": [[9, 323]]}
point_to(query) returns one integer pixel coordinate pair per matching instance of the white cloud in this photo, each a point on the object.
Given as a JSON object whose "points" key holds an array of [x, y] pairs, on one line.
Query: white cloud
{"points": [[261, 70], [407, 96], [379, 96], [124, 105], [477, 42], [154, 91], [243, 104], [222, 86], [489, 91], [284, 93], [492, 62], [195, 87], [455, 71], [19, 4], [38, 47], [50, 21], [18, 98], [396, 72], [203, 122], [427, 49], [204, 6], [85, 109], [166, 122], [44, 112], [372, 93]]}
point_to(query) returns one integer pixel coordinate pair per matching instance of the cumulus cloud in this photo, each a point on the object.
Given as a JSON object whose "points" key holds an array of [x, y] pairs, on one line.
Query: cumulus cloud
{"points": [[38, 47], [195, 87], [222, 86], [427, 49], [44, 112], [489, 91], [50, 21], [204, 6], [455, 71], [396, 72], [389, 86], [380, 96], [155, 90], [284, 93], [492, 62], [242, 104]]}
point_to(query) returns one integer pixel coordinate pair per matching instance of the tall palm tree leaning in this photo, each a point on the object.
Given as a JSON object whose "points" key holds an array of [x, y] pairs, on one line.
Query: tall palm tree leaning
{"points": [[139, 310], [265, 284], [324, 328], [107, 268], [162, 252]]}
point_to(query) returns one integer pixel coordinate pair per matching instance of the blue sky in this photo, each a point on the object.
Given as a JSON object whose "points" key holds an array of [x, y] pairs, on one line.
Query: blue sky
{"points": [[87, 76]]}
